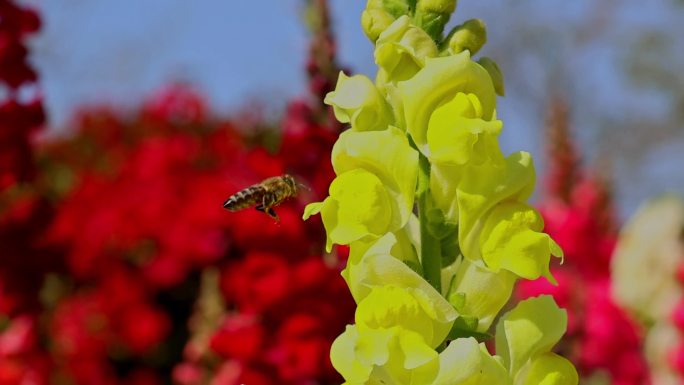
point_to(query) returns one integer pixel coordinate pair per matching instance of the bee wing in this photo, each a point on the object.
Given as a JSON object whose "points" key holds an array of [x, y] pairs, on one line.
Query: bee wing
{"points": [[303, 186]]}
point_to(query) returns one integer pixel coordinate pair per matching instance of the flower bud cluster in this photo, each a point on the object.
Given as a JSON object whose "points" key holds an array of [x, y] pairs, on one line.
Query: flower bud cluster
{"points": [[424, 134]]}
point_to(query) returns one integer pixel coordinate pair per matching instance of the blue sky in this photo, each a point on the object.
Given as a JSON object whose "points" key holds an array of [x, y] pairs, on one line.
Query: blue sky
{"points": [[236, 51]]}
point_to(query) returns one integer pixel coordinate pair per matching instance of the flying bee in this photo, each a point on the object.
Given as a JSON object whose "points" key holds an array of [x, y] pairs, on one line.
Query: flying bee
{"points": [[264, 196]]}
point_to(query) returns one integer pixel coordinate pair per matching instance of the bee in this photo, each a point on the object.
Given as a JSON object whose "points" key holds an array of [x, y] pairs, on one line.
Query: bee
{"points": [[265, 195]]}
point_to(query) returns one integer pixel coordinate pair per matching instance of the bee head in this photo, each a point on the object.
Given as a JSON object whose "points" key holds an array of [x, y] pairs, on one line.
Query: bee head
{"points": [[291, 182]]}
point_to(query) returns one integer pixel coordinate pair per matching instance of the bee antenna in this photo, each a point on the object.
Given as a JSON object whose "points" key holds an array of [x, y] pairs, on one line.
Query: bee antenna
{"points": [[302, 185]]}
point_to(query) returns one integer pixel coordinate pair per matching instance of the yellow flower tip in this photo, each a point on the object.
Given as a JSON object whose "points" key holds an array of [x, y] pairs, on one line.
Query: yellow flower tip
{"points": [[357, 101], [312, 209], [532, 328], [511, 239], [551, 369]]}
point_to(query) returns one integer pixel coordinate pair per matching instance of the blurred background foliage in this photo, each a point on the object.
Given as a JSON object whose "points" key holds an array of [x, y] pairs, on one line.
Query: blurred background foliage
{"points": [[616, 62]]}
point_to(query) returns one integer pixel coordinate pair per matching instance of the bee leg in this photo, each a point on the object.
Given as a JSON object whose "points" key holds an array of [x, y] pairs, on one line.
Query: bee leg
{"points": [[268, 211], [272, 214]]}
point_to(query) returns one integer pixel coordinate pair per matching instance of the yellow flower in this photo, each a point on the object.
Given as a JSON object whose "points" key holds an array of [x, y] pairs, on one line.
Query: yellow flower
{"points": [[374, 191], [439, 82]]}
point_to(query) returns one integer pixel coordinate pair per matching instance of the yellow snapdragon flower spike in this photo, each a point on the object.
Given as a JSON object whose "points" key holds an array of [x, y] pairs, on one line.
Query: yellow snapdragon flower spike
{"points": [[435, 215]]}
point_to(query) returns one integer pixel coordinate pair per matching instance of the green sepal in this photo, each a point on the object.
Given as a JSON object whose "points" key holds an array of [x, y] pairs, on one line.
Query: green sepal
{"points": [[437, 224], [433, 15], [432, 23], [458, 301], [449, 247], [495, 73], [465, 327]]}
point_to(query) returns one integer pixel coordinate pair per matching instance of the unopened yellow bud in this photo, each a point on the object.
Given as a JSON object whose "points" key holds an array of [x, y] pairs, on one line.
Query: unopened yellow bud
{"points": [[471, 36], [374, 21], [379, 14], [436, 6], [433, 15]]}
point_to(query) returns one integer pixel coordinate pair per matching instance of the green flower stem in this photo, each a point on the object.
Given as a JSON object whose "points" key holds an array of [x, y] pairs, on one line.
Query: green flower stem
{"points": [[412, 5], [430, 249]]}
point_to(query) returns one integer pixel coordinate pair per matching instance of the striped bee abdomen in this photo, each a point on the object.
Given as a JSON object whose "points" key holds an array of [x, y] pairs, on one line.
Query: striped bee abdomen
{"points": [[243, 199]]}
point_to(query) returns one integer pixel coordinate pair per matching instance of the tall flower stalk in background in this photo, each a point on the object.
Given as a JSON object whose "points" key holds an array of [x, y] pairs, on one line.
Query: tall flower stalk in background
{"points": [[23, 214], [429, 285], [650, 251], [21, 108], [603, 340]]}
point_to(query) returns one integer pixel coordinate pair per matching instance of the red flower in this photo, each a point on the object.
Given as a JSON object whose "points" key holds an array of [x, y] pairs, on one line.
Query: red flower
{"points": [[257, 283], [239, 337], [142, 327]]}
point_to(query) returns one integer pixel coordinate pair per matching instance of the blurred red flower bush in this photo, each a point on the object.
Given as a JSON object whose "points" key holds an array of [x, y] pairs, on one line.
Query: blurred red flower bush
{"points": [[21, 110], [112, 236]]}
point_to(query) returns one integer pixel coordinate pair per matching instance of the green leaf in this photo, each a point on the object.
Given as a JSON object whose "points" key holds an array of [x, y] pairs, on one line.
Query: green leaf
{"points": [[495, 73]]}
